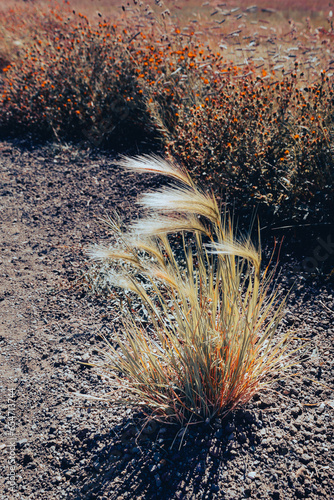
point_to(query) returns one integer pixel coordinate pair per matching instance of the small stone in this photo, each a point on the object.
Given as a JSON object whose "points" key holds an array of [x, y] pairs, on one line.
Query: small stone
{"points": [[67, 461], [252, 475], [28, 458], [214, 451], [296, 411], [96, 465], [299, 492], [306, 458], [31, 465], [219, 433], [21, 443], [293, 431], [69, 416], [249, 417], [301, 472], [242, 438], [264, 402], [63, 359]]}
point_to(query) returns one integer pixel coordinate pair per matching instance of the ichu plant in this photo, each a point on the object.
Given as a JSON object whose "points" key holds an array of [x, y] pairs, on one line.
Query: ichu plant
{"points": [[210, 338]]}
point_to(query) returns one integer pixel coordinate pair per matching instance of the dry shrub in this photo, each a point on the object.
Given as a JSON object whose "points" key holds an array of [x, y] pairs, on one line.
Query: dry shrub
{"points": [[269, 141], [246, 106], [74, 82]]}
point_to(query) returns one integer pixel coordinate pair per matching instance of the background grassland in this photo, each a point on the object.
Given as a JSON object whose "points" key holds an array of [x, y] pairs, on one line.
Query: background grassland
{"points": [[242, 96]]}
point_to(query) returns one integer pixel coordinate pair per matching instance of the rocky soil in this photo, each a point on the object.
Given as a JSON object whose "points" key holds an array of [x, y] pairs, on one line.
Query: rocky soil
{"points": [[55, 445]]}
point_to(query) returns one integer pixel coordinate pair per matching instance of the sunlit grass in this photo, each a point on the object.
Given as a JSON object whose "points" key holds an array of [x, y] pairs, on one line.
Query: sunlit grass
{"points": [[210, 339]]}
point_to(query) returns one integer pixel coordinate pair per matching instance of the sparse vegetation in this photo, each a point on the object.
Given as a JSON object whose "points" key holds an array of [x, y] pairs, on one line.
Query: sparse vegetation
{"points": [[249, 113], [73, 82]]}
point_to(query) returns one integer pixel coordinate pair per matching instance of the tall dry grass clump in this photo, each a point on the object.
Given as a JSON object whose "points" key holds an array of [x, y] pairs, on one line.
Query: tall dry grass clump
{"points": [[207, 338]]}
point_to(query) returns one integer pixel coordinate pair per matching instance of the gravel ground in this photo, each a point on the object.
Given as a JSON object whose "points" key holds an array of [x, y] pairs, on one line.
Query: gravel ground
{"points": [[56, 445]]}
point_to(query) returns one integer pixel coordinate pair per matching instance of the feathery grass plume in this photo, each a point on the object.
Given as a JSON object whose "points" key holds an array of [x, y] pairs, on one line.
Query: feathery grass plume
{"points": [[150, 226], [211, 336], [153, 164], [185, 200]]}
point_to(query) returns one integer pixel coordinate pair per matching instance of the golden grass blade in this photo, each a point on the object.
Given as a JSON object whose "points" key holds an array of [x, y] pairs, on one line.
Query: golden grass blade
{"points": [[169, 200], [151, 226], [245, 250], [153, 164], [103, 253]]}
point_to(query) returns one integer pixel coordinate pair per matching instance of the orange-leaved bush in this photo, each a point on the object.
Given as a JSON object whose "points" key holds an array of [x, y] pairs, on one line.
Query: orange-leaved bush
{"points": [[253, 139], [77, 82]]}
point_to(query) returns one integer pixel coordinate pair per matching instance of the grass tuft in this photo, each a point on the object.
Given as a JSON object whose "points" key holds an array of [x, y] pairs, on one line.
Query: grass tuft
{"points": [[207, 337]]}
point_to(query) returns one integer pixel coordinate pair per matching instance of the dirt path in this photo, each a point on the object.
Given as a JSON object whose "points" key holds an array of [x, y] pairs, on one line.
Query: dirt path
{"points": [[280, 446]]}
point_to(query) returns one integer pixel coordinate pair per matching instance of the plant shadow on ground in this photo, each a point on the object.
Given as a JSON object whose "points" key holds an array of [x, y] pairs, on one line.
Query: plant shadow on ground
{"points": [[164, 461], [132, 142], [307, 251]]}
